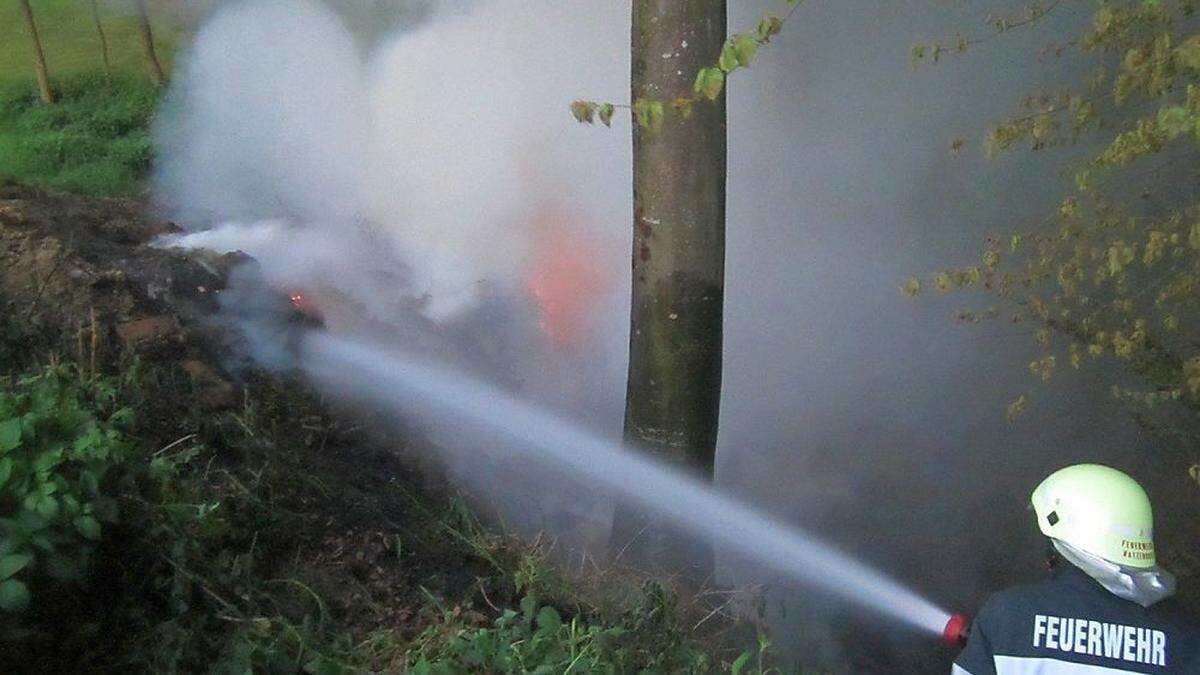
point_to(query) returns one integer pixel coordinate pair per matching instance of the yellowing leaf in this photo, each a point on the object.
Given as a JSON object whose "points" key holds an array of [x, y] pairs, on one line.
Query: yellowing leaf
{"points": [[683, 106], [769, 27], [583, 111], [1017, 408]]}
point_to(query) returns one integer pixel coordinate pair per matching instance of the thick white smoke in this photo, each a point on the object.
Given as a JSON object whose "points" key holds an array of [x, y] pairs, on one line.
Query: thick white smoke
{"points": [[423, 159], [424, 183]]}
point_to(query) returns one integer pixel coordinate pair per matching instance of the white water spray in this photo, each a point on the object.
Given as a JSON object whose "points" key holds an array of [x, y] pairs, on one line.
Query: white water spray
{"points": [[406, 384]]}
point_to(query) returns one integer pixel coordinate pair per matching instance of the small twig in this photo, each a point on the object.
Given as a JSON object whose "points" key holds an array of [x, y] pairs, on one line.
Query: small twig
{"points": [[37, 297], [95, 339], [486, 599], [203, 586], [79, 348], [708, 616], [304, 587], [629, 543], [1031, 19], [173, 444]]}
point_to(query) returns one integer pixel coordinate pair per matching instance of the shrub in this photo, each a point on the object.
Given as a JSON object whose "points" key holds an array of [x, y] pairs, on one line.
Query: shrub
{"points": [[61, 440]]}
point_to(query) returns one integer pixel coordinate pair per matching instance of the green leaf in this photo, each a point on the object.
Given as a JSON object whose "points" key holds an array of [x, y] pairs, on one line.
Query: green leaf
{"points": [[46, 461], [13, 563], [548, 621], [10, 434], [6, 466], [529, 606], [649, 114], [709, 82], [90, 482], [745, 46], [47, 507], [88, 526], [728, 60], [606, 113], [14, 596], [917, 53], [739, 663], [65, 567]]}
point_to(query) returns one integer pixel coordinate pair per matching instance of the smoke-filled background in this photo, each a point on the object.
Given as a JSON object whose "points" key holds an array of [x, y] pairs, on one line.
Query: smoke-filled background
{"points": [[410, 172]]}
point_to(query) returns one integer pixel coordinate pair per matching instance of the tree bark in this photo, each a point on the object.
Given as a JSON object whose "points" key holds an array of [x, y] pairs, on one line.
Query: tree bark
{"points": [[39, 56], [103, 38], [674, 386], [153, 65]]}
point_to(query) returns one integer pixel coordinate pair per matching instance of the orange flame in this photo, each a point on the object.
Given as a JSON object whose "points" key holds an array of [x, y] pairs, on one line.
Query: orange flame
{"points": [[566, 282]]}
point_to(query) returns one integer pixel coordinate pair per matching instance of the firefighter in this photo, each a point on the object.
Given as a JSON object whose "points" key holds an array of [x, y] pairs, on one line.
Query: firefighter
{"points": [[1105, 607]]}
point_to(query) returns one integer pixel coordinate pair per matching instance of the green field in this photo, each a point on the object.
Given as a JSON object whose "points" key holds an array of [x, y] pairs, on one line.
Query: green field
{"points": [[96, 139], [71, 43]]}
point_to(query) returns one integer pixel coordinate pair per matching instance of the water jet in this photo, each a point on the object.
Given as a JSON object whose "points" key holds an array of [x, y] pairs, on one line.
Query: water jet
{"points": [[407, 385]]}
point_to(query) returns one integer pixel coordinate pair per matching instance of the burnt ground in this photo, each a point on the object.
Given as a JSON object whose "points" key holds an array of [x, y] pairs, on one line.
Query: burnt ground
{"points": [[309, 495]]}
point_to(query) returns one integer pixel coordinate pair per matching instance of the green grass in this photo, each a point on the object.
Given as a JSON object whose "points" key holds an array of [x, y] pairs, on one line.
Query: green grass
{"points": [[95, 140], [71, 43]]}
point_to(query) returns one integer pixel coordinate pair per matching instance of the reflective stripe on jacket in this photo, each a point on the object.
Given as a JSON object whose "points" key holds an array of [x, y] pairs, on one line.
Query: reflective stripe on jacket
{"points": [[1070, 625]]}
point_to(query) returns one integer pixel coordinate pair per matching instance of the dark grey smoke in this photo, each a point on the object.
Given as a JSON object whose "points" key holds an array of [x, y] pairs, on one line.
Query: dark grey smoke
{"points": [[848, 407]]}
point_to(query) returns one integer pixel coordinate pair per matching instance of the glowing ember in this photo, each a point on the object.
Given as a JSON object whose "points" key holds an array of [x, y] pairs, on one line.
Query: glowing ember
{"points": [[566, 282], [305, 305]]}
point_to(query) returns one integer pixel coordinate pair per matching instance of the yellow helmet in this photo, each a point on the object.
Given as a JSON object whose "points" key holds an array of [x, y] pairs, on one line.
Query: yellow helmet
{"points": [[1097, 510]]}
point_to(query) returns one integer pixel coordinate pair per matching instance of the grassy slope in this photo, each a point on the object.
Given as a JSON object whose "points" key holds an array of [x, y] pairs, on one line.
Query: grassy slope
{"points": [[96, 140]]}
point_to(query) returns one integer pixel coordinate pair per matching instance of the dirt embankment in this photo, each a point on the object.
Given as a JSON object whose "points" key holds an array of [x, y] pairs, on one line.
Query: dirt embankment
{"points": [[79, 279], [309, 494]]}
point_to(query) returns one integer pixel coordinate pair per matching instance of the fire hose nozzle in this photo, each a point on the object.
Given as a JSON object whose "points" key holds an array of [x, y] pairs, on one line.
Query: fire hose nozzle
{"points": [[957, 630]]}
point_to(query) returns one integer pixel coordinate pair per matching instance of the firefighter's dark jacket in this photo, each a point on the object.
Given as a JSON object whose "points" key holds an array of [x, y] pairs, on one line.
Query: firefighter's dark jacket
{"points": [[1070, 625]]}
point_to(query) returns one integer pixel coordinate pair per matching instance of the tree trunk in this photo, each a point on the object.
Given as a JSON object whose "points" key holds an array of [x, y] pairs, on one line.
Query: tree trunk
{"points": [[103, 38], [674, 386], [147, 36], [39, 56]]}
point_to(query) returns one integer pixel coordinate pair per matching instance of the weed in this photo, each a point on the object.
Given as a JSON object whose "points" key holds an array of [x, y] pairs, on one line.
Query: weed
{"points": [[61, 441], [95, 141]]}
